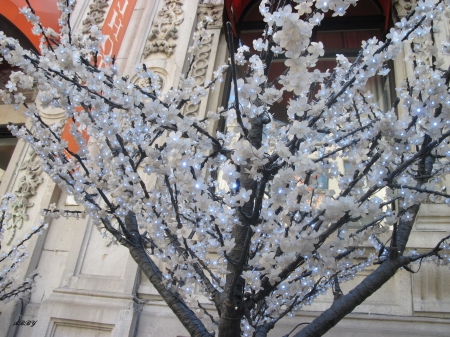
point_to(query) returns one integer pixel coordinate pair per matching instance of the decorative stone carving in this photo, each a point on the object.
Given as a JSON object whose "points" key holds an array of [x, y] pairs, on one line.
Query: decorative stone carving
{"points": [[143, 82], [211, 10], [165, 30], [95, 16], [403, 7], [28, 185], [198, 71], [201, 62]]}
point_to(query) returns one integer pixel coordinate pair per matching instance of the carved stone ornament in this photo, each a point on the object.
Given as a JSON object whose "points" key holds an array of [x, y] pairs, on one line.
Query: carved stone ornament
{"points": [[211, 10], [198, 71], [403, 7], [143, 82], [201, 62], [28, 185], [95, 16], [164, 31]]}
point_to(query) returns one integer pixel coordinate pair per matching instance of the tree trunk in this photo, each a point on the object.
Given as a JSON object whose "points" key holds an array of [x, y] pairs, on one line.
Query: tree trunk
{"points": [[232, 301]]}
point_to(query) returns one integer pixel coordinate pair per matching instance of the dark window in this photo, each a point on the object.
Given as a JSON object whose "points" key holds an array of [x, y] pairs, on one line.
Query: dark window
{"points": [[7, 145], [340, 35]]}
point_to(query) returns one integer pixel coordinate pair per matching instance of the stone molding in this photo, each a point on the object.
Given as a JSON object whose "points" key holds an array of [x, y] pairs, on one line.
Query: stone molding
{"points": [[124, 323], [431, 287], [202, 59], [165, 32], [198, 71], [95, 16], [28, 185]]}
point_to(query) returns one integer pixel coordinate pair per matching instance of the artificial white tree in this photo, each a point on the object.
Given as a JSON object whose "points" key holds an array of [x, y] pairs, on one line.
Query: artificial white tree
{"points": [[267, 239]]}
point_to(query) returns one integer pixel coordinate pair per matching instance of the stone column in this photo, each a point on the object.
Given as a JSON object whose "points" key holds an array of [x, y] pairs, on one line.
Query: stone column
{"points": [[205, 62]]}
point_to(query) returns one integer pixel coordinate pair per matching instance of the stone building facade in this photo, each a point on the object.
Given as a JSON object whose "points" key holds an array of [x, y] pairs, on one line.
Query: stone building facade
{"points": [[90, 287]]}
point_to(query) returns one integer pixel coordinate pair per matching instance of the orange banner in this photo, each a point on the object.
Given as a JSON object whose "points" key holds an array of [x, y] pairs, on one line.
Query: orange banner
{"points": [[114, 28]]}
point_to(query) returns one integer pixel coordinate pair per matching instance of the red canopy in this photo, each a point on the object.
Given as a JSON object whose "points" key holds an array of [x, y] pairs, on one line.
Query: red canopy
{"points": [[47, 11], [235, 8]]}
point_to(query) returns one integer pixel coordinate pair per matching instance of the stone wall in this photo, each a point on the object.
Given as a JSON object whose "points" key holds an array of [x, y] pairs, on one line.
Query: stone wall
{"points": [[91, 287]]}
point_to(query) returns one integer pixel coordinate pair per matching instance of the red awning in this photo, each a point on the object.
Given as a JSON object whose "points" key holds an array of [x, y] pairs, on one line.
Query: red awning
{"points": [[47, 11], [235, 8]]}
